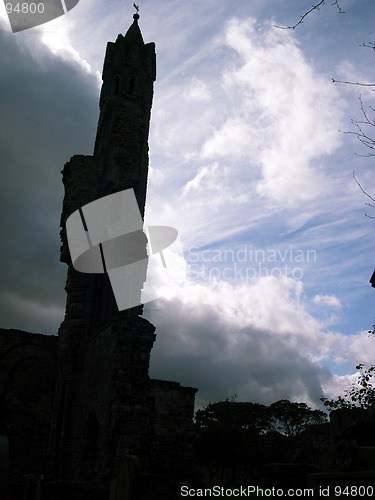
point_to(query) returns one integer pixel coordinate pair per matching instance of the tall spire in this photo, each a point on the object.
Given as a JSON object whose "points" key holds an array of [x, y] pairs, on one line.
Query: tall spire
{"points": [[133, 33]]}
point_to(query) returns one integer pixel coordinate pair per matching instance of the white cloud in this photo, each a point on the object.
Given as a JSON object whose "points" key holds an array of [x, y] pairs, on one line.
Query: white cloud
{"points": [[258, 150], [56, 35], [361, 348], [338, 385], [284, 116], [327, 300], [198, 90], [205, 179], [231, 141], [58, 41], [260, 335], [347, 71]]}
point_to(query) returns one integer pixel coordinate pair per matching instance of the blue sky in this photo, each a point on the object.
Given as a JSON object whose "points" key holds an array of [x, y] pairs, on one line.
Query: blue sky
{"points": [[248, 160]]}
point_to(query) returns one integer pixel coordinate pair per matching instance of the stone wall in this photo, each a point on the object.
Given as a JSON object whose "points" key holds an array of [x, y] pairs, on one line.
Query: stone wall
{"points": [[173, 409], [28, 368]]}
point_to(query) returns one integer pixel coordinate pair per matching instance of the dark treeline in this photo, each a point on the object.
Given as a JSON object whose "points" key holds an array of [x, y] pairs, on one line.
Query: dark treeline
{"points": [[243, 436]]}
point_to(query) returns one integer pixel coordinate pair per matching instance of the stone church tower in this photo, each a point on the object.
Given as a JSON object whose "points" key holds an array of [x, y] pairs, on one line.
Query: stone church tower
{"points": [[114, 432]]}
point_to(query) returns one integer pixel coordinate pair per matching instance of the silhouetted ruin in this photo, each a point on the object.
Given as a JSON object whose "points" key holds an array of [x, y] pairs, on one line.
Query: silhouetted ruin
{"points": [[82, 417]]}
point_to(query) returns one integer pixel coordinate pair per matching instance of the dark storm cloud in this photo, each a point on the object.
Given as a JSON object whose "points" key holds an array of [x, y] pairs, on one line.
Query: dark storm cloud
{"points": [[205, 348], [48, 113]]}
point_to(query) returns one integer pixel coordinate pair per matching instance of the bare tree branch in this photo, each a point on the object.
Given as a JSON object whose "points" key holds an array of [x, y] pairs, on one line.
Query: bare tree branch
{"points": [[360, 125], [314, 7], [354, 83], [368, 195], [370, 45], [360, 133], [363, 191]]}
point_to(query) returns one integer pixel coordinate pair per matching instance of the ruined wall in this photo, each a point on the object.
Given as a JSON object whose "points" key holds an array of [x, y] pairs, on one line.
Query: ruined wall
{"points": [[108, 412], [28, 368], [173, 411]]}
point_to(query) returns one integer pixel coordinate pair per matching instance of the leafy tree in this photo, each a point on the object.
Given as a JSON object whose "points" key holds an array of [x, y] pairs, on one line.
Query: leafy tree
{"points": [[291, 419], [227, 436], [247, 416], [360, 395], [232, 433]]}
